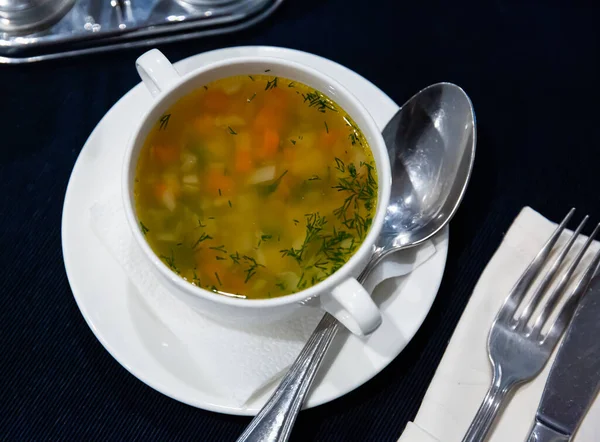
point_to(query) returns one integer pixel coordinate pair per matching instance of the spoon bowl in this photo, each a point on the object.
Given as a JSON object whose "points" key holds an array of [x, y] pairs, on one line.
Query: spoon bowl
{"points": [[431, 146]]}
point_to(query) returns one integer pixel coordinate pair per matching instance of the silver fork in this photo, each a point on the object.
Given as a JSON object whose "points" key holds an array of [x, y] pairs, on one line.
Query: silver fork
{"points": [[518, 351]]}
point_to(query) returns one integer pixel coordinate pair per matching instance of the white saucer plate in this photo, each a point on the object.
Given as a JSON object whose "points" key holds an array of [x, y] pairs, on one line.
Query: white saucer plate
{"points": [[136, 338]]}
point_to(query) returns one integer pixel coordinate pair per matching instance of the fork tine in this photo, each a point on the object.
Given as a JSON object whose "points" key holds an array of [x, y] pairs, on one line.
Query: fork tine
{"points": [[522, 285], [555, 296], [547, 280], [565, 315]]}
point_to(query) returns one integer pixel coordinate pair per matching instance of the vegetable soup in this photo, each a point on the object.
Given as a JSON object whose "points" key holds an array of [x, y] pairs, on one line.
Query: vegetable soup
{"points": [[255, 187]]}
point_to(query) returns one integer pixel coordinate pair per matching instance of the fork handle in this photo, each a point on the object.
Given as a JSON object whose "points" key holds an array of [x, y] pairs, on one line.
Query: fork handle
{"points": [[489, 409]]}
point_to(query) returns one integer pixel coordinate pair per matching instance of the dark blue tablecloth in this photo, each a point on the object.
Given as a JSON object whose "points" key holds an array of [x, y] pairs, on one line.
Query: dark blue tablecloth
{"points": [[531, 69]]}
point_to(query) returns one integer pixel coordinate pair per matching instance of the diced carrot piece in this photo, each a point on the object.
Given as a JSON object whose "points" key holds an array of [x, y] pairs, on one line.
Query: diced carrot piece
{"points": [[165, 154], [219, 184], [159, 190], [277, 99], [215, 100], [268, 117], [243, 161], [327, 139], [270, 144], [234, 283], [165, 196], [289, 155], [204, 124]]}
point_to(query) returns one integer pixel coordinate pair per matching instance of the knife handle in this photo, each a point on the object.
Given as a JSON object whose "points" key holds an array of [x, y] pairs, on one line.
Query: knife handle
{"points": [[542, 433]]}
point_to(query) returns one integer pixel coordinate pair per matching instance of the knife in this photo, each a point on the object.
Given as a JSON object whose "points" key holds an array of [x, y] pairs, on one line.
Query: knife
{"points": [[574, 378]]}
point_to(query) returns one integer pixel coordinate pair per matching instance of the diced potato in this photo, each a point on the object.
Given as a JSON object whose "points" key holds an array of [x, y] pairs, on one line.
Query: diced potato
{"points": [[263, 174], [191, 179], [168, 199], [259, 284], [166, 237], [260, 257], [190, 189], [307, 140], [231, 85], [188, 161], [290, 279], [308, 163]]}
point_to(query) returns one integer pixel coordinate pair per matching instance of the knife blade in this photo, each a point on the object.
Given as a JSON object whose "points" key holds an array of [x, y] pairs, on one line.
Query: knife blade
{"points": [[574, 379]]}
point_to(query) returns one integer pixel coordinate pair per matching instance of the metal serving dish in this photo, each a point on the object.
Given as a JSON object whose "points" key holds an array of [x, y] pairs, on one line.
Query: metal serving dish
{"points": [[35, 30]]}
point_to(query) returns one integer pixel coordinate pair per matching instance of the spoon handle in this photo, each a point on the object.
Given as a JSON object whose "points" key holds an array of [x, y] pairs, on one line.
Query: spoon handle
{"points": [[275, 420]]}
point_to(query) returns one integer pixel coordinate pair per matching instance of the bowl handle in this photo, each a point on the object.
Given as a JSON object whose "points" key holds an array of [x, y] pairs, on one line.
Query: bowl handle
{"points": [[156, 71], [352, 305]]}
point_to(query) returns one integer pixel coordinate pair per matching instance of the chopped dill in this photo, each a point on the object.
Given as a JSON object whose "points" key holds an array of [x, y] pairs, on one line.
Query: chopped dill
{"points": [[321, 265], [195, 279], [281, 285], [291, 84], [231, 131], [219, 192], [218, 279], [340, 165], [292, 253], [144, 228], [251, 77], [170, 260], [267, 70], [200, 224], [252, 266], [235, 258], [296, 222], [326, 127], [164, 121], [319, 101], [267, 189], [352, 170], [293, 142], [205, 87], [220, 248], [314, 177], [203, 237], [229, 202], [220, 258], [251, 98], [314, 225], [358, 190], [263, 238], [301, 282], [271, 84]]}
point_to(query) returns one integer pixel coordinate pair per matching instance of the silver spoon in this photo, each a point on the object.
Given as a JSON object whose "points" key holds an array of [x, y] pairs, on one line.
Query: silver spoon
{"points": [[431, 145]]}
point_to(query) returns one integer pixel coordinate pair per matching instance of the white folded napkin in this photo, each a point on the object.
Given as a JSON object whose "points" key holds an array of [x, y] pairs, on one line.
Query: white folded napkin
{"points": [[237, 361], [464, 374]]}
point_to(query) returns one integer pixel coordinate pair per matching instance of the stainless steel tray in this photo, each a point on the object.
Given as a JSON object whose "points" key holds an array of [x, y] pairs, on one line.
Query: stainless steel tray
{"points": [[91, 26]]}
